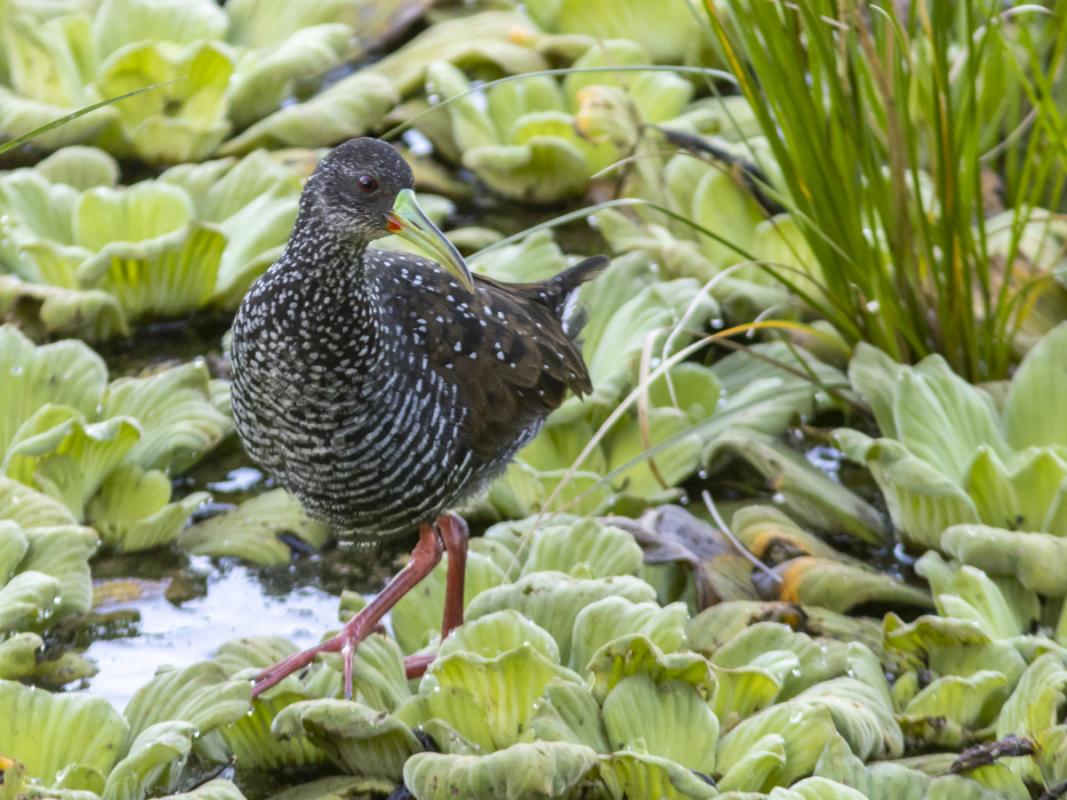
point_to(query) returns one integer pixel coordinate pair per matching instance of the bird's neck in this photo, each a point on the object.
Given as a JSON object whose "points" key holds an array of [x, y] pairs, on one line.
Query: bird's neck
{"points": [[339, 300]]}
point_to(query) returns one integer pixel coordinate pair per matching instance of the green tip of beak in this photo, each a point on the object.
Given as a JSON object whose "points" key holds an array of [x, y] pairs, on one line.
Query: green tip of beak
{"points": [[411, 224]]}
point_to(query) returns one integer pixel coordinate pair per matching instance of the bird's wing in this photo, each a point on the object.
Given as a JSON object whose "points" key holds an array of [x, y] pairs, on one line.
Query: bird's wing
{"points": [[503, 347]]}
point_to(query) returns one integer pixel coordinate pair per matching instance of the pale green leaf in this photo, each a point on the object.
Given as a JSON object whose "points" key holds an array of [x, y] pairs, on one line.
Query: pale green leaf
{"points": [[520, 772], [50, 733], [1030, 418]]}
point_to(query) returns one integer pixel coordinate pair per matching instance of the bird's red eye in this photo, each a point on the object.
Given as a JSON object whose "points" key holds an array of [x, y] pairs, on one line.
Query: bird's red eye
{"points": [[367, 183]]}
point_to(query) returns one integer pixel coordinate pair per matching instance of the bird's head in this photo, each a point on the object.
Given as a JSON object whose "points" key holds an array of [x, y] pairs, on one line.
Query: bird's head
{"points": [[362, 190]]}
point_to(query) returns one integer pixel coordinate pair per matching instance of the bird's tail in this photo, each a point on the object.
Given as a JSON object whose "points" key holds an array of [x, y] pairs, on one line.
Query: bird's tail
{"points": [[573, 277], [565, 290]]}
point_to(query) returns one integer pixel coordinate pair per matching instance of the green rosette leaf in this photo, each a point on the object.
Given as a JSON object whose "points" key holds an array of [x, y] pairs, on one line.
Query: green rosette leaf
{"points": [[66, 741], [358, 740], [520, 772], [179, 422], [553, 600]]}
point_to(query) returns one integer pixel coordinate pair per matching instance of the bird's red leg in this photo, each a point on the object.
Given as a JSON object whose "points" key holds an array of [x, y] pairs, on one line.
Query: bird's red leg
{"points": [[455, 536], [424, 558]]}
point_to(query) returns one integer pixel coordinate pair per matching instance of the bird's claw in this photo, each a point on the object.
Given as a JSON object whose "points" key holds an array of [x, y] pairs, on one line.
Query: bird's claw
{"points": [[344, 643]]}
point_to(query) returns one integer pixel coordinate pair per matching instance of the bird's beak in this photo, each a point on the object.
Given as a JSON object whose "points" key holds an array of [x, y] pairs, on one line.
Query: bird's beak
{"points": [[410, 223]]}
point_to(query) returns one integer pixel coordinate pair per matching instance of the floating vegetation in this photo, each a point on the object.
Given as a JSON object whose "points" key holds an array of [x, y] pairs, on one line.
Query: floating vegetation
{"points": [[805, 537]]}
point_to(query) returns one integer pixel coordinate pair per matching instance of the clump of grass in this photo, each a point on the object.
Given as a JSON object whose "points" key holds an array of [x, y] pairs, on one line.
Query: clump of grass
{"points": [[890, 120]]}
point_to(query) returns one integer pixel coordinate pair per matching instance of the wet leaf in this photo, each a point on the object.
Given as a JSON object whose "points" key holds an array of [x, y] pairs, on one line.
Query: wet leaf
{"points": [[757, 767], [132, 511], [18, 655], [637, 655], [218, 789], [677, 31], [155, 758], [1038, 380], [202, 695], [1034, 706], [59, 453], [807, 491], [715, 626], [468, 692], [568, 712], [950, 456], [764, 644], [178, 421], [1029, 557], [607, 619], [335, 787], [66, 373], [804, 730], [186, 119], [252, 530], [637, 774], [586, 549]]}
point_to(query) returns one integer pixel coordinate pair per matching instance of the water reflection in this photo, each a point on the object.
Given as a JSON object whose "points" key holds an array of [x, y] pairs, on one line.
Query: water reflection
{"points": [[233, 605]]}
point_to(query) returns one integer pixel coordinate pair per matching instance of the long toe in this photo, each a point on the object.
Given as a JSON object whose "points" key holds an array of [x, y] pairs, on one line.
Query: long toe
{"points": [[274, 675], [415, 666], [283, 669]]}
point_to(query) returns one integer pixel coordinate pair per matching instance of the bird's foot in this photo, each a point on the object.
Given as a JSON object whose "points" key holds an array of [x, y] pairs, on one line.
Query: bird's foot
{"points": [[449, 533], [424, 558], [344, 643], [415, 666]]}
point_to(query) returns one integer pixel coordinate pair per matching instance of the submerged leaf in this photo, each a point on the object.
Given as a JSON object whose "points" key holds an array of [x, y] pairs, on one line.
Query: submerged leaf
{"points": [[252, 530]]}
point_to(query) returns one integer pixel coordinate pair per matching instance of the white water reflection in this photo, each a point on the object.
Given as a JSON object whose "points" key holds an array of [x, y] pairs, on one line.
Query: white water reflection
{"points": [[234, 607]]}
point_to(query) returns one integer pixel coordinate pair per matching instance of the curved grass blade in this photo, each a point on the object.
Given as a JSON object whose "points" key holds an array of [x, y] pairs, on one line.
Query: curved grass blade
{"points": [[18, 141]]}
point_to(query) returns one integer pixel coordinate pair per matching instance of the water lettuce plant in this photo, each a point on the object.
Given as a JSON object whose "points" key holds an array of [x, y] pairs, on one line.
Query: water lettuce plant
{"points": [[44, 576], [539, 139], [719, 221], [83, 255], [73, 743], [672, 33], [951, 453], [493, 41], [223, 67], [572, 676], [103, 451]]}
